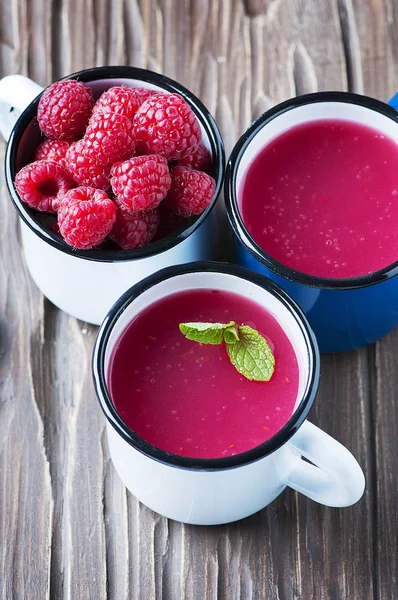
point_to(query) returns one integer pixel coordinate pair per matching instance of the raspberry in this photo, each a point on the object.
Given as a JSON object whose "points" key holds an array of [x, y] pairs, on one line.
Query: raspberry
{"points": [[85, 217], [190, 192], [42, 185], [52, 150], [121, 100], [134, 229], [166, 125], [199, 159], [142, 94], [64, 109], [82, 165], [109, 137], [142, 182]]}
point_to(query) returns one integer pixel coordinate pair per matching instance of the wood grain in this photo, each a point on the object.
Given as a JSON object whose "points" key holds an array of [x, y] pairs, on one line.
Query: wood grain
{"points": [[68, 528]]}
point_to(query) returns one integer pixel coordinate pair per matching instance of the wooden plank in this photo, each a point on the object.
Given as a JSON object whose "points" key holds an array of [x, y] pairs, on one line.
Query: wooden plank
{"points": [[377, 25], [68, 528], [385, 512], [26, 502]]}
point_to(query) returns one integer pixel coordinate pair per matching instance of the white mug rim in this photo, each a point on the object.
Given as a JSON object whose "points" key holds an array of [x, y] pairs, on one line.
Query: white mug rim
{"points": [[211, 464], [162, 245]]}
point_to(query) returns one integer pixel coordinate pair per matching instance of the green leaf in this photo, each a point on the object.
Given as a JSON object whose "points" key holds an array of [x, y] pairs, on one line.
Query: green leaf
{"points": [[251, 355], [205, 333], [231, 335]]}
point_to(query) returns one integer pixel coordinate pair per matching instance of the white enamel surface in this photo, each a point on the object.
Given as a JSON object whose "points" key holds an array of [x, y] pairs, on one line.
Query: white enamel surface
{"points": [[16, 92], [87, 289], [212, 497], [336, 480], [216, 497], [199, 497]]}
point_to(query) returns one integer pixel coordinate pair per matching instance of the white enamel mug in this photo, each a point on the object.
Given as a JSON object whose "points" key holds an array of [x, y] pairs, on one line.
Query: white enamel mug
{"points": [[85, 283], [215, 491]]}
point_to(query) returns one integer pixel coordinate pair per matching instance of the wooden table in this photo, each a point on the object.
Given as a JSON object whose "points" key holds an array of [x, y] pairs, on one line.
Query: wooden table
{"points": [[68, 529]]}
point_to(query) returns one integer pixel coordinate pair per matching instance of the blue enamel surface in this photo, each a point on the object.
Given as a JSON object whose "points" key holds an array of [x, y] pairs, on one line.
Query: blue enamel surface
{"points": [[394, 101], [341, 319]]}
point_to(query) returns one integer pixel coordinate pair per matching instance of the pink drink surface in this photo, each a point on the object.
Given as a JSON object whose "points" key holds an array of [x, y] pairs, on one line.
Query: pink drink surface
{"points": [[322, 198], [187, 398]]}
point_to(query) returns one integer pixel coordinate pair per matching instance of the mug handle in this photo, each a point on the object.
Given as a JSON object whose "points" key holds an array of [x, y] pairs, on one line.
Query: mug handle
{"points": [[334, 478], [16, 93]]}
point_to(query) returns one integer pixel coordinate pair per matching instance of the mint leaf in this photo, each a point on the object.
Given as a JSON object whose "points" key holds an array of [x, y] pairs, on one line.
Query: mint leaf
{"points": [[251, 355], [205, 333], [247, 349], [231, 335]]}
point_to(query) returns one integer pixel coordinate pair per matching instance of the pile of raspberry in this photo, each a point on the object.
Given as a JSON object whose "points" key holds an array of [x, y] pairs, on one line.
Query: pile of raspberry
{"points": [[130, 165]]}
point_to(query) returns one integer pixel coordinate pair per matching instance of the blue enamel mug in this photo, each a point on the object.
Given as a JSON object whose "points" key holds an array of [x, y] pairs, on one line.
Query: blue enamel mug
{"points": [[344, 313]]}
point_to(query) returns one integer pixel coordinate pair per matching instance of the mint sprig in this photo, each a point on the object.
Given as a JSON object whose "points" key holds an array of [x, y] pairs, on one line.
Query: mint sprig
{"points": [[247, 349]]}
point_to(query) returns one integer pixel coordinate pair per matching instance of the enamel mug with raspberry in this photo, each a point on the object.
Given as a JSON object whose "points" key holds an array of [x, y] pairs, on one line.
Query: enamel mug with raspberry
{"points": [[114, 172]]}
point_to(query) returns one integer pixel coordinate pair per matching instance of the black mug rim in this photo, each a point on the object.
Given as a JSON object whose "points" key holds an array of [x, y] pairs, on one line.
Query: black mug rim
{"points": [[211, 464], [231, 202], [116, 72]]}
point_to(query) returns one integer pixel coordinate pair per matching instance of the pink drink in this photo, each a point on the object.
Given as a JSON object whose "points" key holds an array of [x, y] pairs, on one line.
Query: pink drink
{"points": [[187, 398], [322, 198]]}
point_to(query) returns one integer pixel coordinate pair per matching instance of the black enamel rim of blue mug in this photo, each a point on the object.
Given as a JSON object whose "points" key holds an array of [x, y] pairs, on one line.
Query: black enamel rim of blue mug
{"points": [[211, 464], [236, 220], [118, 255]]}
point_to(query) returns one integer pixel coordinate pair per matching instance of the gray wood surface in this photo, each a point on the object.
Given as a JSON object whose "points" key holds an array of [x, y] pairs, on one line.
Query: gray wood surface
{"points": [[68, 529]]}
